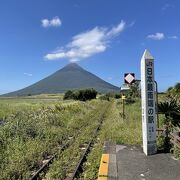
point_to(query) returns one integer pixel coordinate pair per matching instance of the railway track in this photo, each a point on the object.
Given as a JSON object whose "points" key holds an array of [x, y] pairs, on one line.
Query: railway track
{"points": [[84, 150], [44, 167], [78, 168]]}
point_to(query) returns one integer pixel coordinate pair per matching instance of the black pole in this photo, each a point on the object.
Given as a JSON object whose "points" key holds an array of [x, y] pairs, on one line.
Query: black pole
{"points": [[123, 110], [157, 104]]}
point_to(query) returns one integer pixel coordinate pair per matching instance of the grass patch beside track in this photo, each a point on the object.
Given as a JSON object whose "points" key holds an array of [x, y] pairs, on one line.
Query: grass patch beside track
{"points": [[127, 131]]}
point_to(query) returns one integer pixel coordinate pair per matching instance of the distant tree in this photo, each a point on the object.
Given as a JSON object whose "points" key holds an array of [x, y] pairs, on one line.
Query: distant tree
{"points": [[68, 95], [85, 94], [117, 96], [105, 97], [82, 95], [177, 87], [113, 95], [169, 89], [135, 89], [129, 100], [174, 92]]}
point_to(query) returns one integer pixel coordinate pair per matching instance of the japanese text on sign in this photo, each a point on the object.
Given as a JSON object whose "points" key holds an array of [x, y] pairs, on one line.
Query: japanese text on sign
{"points": [[150, 99]]}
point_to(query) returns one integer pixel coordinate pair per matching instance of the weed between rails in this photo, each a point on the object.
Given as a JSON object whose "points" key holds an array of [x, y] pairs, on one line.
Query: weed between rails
{"points": [[64, 165]]}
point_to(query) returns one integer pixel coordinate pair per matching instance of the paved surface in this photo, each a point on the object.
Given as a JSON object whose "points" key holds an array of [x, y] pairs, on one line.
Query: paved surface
{"points": [[133, 164], [110, 149]]}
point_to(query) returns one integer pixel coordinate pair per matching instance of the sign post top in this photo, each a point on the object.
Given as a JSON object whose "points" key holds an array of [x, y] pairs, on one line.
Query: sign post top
{"points": [[123, 97], [147, 55]]}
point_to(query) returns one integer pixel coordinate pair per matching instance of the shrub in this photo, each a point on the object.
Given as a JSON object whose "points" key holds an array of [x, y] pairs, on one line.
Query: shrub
{"points": [[117, 96], [104, 97], [110, 95], [81, 95], [171, 110], [129, 100], [174, 92], [68, 95], [85, 94], [135, 90]]}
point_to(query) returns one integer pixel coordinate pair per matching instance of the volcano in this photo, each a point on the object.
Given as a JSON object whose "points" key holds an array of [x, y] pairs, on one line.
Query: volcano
{"points": [[71, 77]]}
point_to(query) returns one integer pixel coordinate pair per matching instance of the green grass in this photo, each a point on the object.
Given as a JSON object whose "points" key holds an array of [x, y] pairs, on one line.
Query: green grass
{"points": [[15, 104], [69, 158], [34, 127], [127, 130], [117, 130], [31, 133]]}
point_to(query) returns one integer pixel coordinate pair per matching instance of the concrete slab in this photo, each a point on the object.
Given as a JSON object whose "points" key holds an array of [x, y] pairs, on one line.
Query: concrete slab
{"points": [[133, 164], [110, 148], [112, 169]]}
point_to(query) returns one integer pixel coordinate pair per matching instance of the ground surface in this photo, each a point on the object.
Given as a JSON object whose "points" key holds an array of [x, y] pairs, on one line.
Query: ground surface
{"points": [[133, 164]]}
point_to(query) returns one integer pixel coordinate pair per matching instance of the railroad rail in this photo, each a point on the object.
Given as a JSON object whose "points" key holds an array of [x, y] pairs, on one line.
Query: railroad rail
{"points": [[61, 148], [78, 167], [48, 162], [85, 150]]}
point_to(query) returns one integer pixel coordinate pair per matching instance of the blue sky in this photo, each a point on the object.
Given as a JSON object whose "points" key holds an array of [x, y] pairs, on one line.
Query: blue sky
{"points": [[106, 37]]}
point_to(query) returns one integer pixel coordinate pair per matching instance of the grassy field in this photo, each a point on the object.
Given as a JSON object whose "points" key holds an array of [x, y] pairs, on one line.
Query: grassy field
{"points": [[30, 131], [32, 128], [14, 104]]}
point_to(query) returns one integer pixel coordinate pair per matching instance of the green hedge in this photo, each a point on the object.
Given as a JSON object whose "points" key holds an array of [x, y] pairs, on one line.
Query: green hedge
{"points": [[81, 95]]}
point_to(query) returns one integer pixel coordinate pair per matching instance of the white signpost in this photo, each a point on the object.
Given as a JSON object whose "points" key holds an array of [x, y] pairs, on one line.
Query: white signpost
{"points": [[148, 104]]}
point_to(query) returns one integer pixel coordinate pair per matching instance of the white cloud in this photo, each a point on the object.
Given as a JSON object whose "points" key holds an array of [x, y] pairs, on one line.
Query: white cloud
{"points": [[117, 29], [55, 22], [156, 36], [27, 74], [88, 43], [173, 37]]}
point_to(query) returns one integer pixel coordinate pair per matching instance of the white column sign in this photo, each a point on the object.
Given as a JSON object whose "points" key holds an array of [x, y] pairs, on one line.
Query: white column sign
{"points": [[148, 104]]}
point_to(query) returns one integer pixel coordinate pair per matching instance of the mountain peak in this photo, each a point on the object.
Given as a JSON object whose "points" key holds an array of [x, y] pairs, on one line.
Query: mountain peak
{"points": [[72, 66], [71, 77]]}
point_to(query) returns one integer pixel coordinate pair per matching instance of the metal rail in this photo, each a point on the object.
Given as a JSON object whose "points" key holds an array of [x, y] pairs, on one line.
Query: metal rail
{"points": [[45, 165], [62, 148], [78, 168], [49, 161]]}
